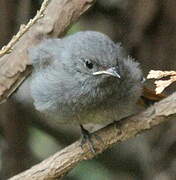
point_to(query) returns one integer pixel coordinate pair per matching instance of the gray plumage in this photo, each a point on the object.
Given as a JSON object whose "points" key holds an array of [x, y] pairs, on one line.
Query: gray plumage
{"points": [[63, 84]]}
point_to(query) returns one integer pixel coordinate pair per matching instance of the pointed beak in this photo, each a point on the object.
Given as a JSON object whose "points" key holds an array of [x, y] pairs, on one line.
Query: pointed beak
{"points": [[113, 71]]}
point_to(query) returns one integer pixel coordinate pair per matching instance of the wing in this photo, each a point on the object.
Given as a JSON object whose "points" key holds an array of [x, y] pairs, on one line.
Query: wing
{"points": [[44, 54]]}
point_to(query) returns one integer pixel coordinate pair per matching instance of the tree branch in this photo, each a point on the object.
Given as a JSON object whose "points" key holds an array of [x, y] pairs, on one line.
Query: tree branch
{"points": [[62, 162], [53, 19]]}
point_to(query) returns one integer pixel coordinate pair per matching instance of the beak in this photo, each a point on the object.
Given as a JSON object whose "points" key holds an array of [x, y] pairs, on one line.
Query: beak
{"points": [[113, 71]]}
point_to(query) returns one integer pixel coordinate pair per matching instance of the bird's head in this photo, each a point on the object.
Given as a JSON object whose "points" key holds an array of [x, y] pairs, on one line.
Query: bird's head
{"points": [[95, 60]]}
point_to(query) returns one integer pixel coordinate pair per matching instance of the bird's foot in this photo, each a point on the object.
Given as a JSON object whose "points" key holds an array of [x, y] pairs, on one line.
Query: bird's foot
{"points": [[87, 138]]}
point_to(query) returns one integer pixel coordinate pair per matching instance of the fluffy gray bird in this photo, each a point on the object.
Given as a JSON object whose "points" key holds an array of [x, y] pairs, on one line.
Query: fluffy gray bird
{"points": [[84, 78]]}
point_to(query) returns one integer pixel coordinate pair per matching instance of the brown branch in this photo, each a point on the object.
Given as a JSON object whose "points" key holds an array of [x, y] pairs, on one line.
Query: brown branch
{"points": [[62, 162], [53, 19]]}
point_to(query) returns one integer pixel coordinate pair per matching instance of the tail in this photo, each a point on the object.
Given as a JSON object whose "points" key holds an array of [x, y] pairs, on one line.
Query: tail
{"points": [[149, 97]]}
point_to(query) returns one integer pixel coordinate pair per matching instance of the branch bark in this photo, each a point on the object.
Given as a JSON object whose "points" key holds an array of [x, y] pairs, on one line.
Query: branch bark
{"points": [[62, 162], [53, 19]]}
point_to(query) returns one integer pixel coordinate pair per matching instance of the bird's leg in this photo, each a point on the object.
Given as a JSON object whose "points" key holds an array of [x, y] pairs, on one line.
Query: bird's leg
{"points": [[86, 137]]}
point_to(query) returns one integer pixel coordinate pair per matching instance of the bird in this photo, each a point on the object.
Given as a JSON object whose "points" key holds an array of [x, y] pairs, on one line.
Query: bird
{"points": [[84, 78]]}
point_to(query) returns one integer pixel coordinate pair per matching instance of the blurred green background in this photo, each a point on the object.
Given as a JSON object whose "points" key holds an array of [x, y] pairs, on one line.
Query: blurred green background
{"points": [[147, 30]]}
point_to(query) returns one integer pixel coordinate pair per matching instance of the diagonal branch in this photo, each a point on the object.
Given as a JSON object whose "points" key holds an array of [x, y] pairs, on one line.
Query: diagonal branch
{"points": [[62, 162], [52, 20]]}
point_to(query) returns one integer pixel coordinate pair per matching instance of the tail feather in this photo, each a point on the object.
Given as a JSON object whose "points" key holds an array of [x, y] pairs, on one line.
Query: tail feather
{"points": [[149, 97]]}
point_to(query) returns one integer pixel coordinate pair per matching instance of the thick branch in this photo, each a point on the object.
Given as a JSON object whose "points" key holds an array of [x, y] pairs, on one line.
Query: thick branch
{"points": [[53, 19], [59, 164]]}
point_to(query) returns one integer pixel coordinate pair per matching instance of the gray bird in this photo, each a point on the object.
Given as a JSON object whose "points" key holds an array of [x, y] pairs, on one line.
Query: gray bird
{"points": [[84, 78]]}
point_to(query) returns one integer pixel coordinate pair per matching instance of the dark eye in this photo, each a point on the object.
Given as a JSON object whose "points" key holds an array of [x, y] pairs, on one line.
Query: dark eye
{"points": [[89, 64]]}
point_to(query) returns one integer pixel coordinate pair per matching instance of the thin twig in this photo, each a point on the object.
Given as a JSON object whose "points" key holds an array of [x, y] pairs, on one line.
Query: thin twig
{"points": [[162, 84]]}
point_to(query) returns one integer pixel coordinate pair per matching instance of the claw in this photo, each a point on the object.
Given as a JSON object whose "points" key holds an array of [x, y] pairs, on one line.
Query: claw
{"points": [[86, 137]]}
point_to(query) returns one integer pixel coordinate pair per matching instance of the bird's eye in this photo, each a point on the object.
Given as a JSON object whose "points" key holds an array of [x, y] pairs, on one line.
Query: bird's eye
{"points": [[89, 64]]}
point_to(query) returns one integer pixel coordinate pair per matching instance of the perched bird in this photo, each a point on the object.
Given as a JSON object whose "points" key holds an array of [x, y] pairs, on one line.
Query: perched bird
{"points": [[84, 78]]}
